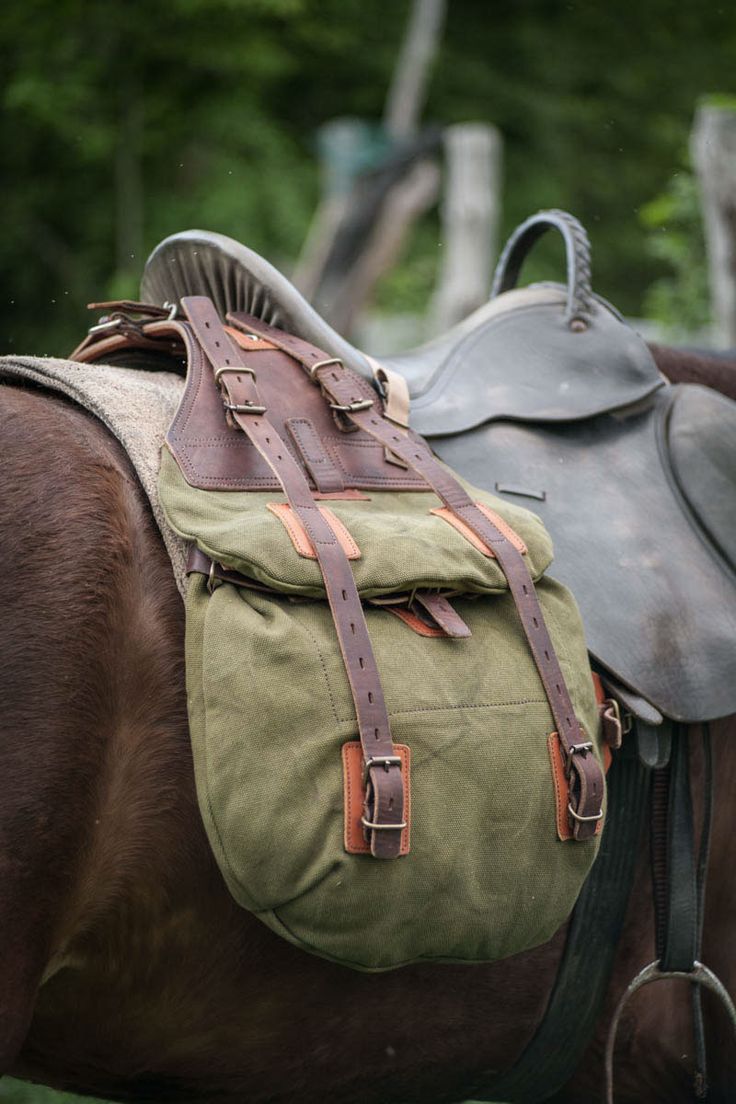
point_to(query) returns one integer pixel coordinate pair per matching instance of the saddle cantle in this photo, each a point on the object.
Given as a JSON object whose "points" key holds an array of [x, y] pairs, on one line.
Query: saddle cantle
{"points": [[547, 398]]}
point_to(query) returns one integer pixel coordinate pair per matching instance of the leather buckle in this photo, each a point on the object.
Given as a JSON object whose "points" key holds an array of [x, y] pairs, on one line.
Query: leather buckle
{"points": [[582, 819], [358, 404], [385, 761], [571, 751], [323, 364], [244, 408], [383, 827], [117, 322], [212, 581], [231, 368], [576, 816]]}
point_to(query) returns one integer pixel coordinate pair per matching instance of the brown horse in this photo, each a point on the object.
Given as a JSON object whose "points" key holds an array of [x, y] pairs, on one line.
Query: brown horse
{"points": [[126, 970]]}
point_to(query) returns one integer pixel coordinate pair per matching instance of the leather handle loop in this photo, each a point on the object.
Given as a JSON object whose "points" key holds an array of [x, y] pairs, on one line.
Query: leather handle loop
{"points": [[577, 249]]}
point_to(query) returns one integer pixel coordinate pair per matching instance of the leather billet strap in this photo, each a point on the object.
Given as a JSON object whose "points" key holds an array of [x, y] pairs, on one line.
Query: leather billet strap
{"points": [[384, 818], [395, 390], [339, 385]]}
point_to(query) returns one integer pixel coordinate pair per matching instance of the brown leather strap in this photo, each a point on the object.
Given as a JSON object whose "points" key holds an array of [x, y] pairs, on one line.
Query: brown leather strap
{"points": [[439, 609], [384, 818], [347, 396], [327, 478]]}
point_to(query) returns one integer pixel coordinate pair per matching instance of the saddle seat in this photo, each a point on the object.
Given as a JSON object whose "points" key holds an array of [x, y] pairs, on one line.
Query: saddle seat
{"points": [[545, 397], [487, 367]]}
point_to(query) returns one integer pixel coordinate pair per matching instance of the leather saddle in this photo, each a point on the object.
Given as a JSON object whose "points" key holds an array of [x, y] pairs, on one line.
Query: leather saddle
{"points": [[547, 398]]}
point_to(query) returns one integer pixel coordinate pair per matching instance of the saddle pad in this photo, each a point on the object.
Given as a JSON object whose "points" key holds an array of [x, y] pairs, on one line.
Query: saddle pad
{"points": [[137, 407]]}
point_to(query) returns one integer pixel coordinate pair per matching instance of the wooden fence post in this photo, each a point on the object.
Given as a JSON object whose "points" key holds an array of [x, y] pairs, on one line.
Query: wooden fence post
{"points": [[713, 148], [470, 216]]}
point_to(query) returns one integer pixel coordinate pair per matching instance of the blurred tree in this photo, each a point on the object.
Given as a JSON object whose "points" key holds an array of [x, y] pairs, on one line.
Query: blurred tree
{"points": [[124, 122], [679, 299]]}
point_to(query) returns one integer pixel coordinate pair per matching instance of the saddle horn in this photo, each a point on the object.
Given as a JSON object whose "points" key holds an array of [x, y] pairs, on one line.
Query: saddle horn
{"points": [[577, 249]]}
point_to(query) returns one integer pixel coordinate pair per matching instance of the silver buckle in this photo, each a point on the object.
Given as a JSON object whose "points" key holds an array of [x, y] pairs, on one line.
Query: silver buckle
{"points": [[108, 324], [582, 819], [382, 827]]}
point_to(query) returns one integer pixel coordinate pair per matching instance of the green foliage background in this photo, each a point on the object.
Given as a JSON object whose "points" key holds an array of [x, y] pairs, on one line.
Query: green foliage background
{"points": [[203, 113], [207, 110]]}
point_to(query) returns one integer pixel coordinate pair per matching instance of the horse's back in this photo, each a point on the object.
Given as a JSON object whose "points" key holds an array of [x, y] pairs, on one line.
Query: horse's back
{"points": [[127, 969], [90, 667]]}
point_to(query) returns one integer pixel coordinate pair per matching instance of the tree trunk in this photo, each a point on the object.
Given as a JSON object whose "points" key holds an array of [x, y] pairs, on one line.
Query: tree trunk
{"points": [[407, 92], [713, 146]]}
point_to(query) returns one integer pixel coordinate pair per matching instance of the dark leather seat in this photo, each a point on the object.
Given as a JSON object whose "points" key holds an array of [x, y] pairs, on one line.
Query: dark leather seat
{"points": [[546, 397]]}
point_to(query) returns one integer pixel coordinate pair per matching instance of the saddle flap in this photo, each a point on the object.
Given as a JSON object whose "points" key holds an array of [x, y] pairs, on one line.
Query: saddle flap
{"points": [[517, 359], [701, 435]]}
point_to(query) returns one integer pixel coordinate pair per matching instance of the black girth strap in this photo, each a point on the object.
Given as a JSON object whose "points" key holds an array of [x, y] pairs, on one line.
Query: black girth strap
{"points": [[679, 887], [679, 894], [673, 859]]}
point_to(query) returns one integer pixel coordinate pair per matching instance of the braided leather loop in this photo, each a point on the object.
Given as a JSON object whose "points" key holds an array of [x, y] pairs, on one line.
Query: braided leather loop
{"points": [[577, 249]]}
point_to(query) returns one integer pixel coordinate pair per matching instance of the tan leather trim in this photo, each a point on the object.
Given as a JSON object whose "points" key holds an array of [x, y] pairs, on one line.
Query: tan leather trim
{"points": [[607, 758], [465, 531], [354, 797], [564, 832], [600, 693], [300, 538], [396, 390], [247, 343], [562, 788]]}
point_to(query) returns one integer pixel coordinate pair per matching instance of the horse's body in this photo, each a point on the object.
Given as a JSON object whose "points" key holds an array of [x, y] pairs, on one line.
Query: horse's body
{"points": [[126, 970]]}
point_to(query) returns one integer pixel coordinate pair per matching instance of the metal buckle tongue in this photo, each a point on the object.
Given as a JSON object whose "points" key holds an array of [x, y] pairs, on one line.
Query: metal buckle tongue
{"points": [[385, 761]]}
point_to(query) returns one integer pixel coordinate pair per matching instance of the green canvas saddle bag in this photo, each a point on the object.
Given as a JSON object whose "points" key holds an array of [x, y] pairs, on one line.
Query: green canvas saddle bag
{"points": [[396, 739]]}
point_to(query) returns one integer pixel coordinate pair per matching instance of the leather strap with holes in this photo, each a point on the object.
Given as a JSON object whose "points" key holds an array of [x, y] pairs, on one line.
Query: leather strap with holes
{"points": [[384, 818], [346, 394]]}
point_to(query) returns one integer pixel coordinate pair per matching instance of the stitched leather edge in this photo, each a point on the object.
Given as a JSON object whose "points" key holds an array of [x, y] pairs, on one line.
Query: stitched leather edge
{"points": [[561, 788], [298, 534], [477, 543]]}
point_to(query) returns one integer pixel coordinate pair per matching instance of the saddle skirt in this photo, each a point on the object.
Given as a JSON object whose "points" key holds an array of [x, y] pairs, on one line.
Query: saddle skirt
{"points": [[546, 398]]}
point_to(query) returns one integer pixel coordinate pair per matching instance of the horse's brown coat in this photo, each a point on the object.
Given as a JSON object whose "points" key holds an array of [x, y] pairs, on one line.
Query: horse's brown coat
{"points": [[127, 970]]}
